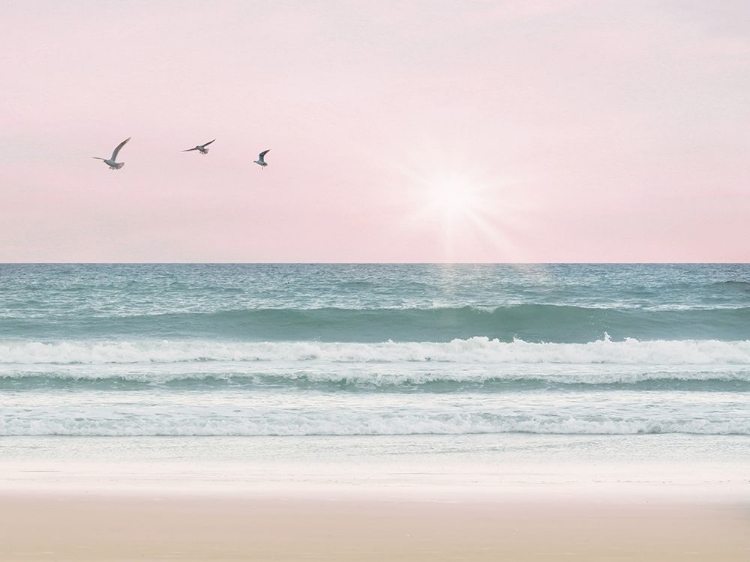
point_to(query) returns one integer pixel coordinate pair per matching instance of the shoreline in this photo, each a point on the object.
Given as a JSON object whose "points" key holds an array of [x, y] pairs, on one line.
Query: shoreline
{"points": [[667, 483], [372, 511]]}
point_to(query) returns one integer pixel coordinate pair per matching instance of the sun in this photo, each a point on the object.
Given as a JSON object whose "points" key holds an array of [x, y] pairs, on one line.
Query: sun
{"points": [[455, 208], [465, 211], [452, 199]]}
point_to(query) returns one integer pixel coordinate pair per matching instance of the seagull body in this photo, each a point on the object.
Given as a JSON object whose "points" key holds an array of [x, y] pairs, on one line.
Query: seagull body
{"points": [[112, 161], [200, 148], [261, 158]]}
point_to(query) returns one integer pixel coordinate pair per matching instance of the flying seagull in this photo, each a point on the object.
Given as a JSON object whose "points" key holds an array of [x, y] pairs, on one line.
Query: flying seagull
{"points": [[112, 162], [200, 148], [260, 161]]}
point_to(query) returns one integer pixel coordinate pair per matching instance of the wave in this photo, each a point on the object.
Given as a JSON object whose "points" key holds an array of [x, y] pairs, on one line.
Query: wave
{"points": [[530, 322], [432, 383], [478, 364], [478, 350], [351, 422], [743, 286]]}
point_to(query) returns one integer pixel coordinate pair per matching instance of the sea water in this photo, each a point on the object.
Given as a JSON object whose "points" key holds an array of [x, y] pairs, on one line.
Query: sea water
{"points": [[369, 364]]}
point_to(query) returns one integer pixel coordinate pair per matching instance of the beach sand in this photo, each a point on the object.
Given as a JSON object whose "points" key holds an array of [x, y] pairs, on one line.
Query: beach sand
{"points": [[151, 526]]}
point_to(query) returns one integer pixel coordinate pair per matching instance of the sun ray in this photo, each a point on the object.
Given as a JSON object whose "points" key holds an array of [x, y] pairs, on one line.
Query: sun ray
{"points": [[466, 211]]}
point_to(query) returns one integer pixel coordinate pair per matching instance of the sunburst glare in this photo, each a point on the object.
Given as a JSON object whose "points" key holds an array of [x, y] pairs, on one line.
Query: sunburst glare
{"points": [[452, 198], [467, 211]]}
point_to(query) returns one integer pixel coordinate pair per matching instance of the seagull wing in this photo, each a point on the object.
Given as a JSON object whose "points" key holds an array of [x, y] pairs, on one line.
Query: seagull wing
{"points": [[190, 149], [119, 147], [205, 145], [262, 155]]}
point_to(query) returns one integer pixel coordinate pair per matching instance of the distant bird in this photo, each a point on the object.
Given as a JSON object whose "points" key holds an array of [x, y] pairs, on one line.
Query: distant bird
{"points": [[200, 148], [261, 161], [112, 162]]}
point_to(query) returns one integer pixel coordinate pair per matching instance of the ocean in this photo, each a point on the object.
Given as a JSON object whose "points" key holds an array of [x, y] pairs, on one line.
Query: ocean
{"points": [[375, 363]]}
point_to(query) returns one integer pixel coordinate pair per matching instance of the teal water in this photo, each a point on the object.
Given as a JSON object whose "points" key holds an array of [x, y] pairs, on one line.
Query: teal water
{"points": [[375, 303], [365, 350]]}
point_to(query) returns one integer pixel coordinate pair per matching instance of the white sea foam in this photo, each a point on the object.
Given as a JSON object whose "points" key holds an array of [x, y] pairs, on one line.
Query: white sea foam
{"points": [[474, 350], [349, 422]]}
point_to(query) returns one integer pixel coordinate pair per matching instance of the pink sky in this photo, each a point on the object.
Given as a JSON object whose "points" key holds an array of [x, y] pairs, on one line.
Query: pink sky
{"points": [[601, 130]]}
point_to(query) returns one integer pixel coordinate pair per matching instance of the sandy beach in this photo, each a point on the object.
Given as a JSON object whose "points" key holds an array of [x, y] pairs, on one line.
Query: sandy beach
{"points": [[76, 526], [431, 506]]}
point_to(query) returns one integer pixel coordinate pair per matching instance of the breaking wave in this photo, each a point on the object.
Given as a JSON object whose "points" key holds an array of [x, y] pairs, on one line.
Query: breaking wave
{"points": [[478, 349]]}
